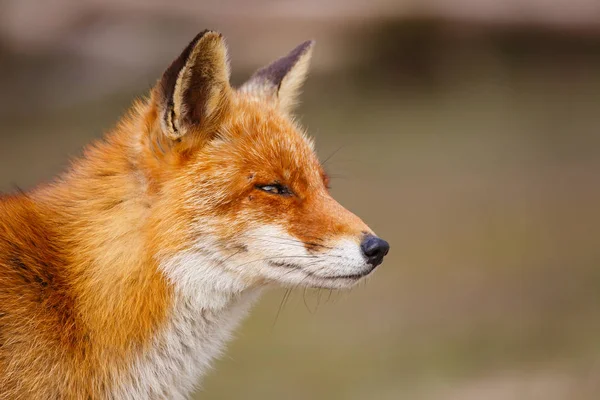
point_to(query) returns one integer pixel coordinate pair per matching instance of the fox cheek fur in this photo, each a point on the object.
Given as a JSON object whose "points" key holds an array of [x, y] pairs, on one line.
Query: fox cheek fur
{"points": [[125, 277]]}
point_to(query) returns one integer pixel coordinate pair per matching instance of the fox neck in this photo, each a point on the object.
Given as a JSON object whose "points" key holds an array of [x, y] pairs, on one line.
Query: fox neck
{"points": [[195, 333], [153, 329]]}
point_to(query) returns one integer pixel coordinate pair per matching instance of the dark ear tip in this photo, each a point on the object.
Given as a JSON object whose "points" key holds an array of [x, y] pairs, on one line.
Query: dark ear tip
{"points": [[276, 71], [209, 32], [304, 47], [199, 36], [196, 39]]}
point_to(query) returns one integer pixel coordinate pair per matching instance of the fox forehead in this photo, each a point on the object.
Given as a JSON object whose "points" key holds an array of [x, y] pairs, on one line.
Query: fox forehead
{"points": [[260, 143]]}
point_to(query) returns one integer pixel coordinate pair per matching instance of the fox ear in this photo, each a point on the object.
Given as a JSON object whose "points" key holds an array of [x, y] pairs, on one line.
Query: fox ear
{"points": [[194, 91], [281, 80]]}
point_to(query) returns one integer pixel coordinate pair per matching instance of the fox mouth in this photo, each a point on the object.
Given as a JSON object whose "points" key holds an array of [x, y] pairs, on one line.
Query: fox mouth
{"points": [[353, 277]]}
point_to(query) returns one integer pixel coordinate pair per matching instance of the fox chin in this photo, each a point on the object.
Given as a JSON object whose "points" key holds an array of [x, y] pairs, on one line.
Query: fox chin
{"points": [[125, 276]]}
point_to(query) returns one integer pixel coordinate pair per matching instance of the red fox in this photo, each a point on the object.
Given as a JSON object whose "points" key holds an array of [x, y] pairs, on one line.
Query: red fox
{"points": [[124, 278]]}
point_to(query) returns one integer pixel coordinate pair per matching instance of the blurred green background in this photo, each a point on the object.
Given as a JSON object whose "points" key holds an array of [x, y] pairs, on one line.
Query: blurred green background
{"points": [[465, 133]]}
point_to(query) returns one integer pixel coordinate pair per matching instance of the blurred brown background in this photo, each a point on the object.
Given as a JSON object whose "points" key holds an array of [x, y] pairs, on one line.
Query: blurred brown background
{"points": [[465, 132]]}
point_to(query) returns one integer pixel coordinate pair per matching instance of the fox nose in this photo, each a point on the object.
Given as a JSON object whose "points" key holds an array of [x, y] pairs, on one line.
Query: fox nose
{"points": [[374, 249]]}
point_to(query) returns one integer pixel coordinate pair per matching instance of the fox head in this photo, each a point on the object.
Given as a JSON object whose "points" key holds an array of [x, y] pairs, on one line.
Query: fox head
{"points": [[238, 189]]}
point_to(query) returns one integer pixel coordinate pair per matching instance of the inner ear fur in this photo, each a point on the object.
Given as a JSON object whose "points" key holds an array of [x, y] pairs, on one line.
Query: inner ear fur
{"points": [[281, 81], [194, 92]]}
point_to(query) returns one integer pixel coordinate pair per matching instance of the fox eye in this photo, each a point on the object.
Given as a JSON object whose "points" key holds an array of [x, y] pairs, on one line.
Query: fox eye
{"points": [[275, 188]]}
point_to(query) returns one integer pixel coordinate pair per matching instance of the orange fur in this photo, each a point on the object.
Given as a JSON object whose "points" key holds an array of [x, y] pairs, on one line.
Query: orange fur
{"points": [[81, 291]]}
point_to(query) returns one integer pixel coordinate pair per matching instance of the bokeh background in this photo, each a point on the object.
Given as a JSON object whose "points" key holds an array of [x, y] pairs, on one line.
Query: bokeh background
{"points": [[465, 132]]}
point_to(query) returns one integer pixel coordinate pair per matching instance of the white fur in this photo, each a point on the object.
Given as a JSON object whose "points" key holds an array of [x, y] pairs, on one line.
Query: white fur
{"points": [[214, 292], [208, 306], [324, 267]]}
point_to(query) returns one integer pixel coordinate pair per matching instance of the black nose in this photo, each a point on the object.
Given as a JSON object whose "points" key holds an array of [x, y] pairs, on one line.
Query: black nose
{"points": [[374, 249]]}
